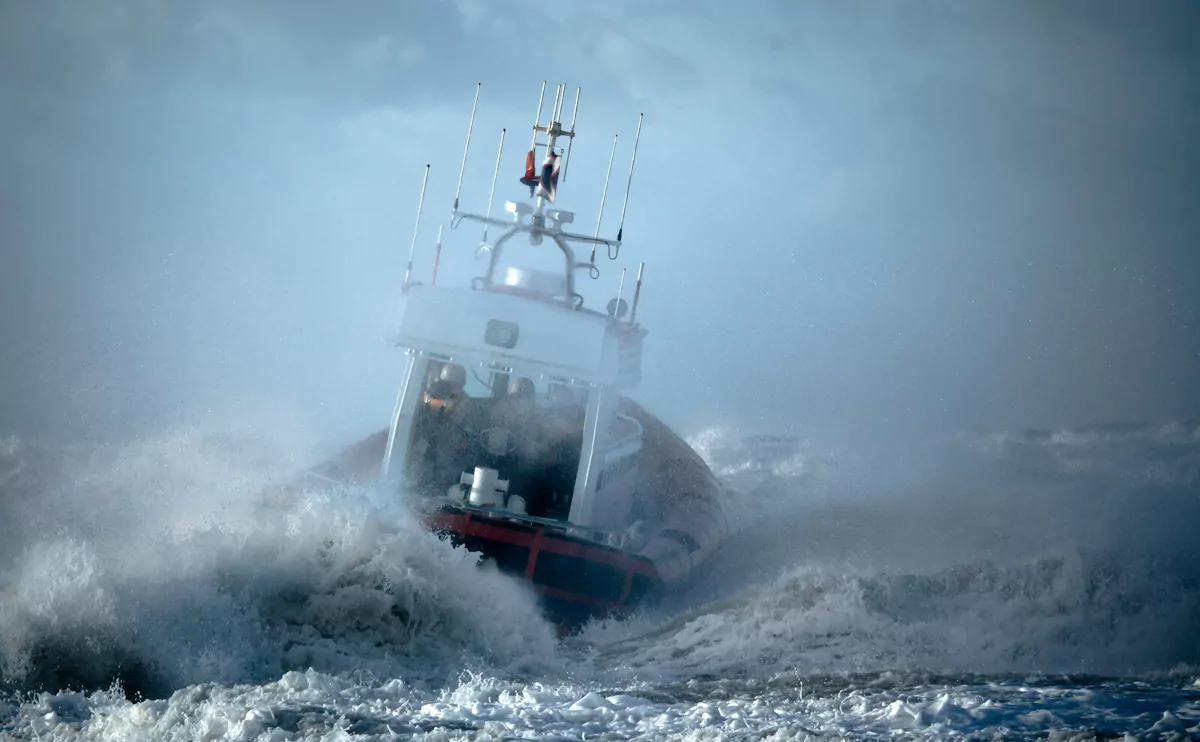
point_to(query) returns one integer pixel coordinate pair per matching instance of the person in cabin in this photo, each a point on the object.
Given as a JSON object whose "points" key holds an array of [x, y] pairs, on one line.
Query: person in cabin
{"points": [[516, 412], [562, 435], [565, 415], [566, 402], [445, 428], [516, 429], [448, 390]]}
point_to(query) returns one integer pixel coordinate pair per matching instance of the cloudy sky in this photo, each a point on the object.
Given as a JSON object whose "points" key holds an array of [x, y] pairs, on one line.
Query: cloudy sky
{"points": [[856, 216]]}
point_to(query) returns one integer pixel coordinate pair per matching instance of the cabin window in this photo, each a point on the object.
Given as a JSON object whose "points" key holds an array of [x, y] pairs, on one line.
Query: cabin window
{"points": [[526, 427]]}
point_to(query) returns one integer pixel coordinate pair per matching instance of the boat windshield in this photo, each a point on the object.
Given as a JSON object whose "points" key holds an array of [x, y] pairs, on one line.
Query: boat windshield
{"points": [[529, 429]]}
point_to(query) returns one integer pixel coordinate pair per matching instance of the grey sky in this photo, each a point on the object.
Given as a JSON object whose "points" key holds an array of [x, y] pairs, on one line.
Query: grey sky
{"points": [[856, 216]]}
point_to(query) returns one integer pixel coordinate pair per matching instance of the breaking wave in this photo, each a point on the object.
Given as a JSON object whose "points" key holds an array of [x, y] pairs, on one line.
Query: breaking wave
{"points": [[157, 564], [1072, 552], [1082, 614]]}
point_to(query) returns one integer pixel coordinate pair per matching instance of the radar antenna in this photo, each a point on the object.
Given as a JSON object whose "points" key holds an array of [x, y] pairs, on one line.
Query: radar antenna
{"points": [[541, 219]]}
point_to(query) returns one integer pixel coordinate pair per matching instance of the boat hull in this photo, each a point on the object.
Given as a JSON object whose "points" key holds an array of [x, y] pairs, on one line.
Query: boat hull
{"points": [[579, 578], [577, 574], [576, 578]]}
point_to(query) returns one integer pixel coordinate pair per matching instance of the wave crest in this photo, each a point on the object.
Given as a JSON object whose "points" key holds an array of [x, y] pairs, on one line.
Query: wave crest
{"points": [[148, 576]]}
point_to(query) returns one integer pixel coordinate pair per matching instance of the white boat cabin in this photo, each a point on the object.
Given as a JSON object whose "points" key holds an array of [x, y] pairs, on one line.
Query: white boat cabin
{"points": [[518, 379]]}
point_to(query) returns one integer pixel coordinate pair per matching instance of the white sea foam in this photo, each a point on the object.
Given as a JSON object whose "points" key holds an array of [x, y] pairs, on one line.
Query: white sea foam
{"points": [[856, 597]]}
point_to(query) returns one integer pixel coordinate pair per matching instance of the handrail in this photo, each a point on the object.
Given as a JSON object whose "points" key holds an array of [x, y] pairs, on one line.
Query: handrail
{"points": [[559, 237], [639, 431], [536, 229], [627, 445]]}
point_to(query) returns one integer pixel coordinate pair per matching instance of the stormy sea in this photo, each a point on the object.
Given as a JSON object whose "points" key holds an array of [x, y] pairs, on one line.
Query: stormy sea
{"points": [[986, 585]]}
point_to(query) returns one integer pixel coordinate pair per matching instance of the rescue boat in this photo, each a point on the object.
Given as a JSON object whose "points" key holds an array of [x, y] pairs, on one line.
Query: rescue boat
{"points": [[512, 430]]}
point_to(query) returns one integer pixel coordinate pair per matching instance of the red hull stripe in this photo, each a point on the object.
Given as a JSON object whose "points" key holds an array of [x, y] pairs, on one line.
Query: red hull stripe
{"points": [[540, 540], [468, 525], [535, 548]]}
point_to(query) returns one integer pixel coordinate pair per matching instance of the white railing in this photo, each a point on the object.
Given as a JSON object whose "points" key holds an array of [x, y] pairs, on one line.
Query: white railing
{"points": [[625, 445]]}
